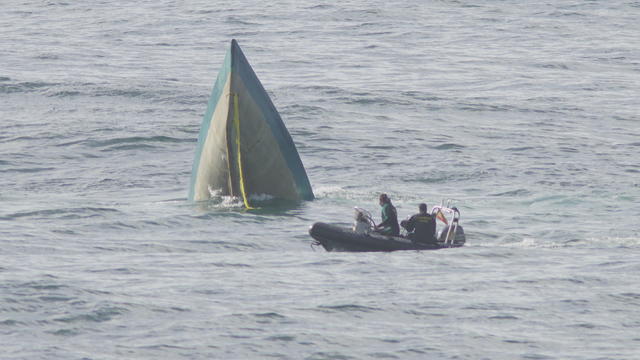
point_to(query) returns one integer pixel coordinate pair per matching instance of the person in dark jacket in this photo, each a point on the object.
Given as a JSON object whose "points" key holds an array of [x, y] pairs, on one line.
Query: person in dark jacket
{"points": [[389, 224], [421, 226]]}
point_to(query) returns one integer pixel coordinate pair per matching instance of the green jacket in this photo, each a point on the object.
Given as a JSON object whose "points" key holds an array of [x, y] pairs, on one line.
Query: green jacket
{"points": [[389, 220]]}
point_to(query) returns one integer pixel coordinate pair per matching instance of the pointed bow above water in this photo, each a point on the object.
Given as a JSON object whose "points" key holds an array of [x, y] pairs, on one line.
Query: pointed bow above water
{"points": [[244, 149]]}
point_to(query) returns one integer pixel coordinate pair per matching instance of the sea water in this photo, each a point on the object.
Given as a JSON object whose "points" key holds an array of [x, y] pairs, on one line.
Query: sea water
{"points": [[524, 113]]}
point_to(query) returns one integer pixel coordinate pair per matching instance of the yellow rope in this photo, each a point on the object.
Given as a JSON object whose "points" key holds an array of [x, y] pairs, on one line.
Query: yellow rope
{"points": [[236, 123]]}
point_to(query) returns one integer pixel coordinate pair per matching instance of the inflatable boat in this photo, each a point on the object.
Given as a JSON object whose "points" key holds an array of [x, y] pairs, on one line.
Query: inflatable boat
{"points": [[361, 236]]}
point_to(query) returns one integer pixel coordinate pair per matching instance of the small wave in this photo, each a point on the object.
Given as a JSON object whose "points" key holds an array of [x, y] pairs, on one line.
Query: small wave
{"points": [[88, 89], [225, 265], [532, 243], [269, 315], [130, 142], [40, 286], [319, 7], [517, 192], [627, 297], [302, 109], [373, 100], [448, 146], [347, 308], [67, 213], [238, 21], [118, 225], [65, 93], [130, 147], [337, 192], [446, 176], [568, 149], [53, 298], [620, 242], [128, 93], [566, 14], [27, 170], [32, 138], [100, 315], [415, 95], [281, 338], [562, 242], [25, 87], [553, 66], [519, 149], [269, 318], [10, 322], [164, 347], [63, 332], [243, 34], [379, 147], [48, 57], [504, 317], [485, 107], [521, 342]]}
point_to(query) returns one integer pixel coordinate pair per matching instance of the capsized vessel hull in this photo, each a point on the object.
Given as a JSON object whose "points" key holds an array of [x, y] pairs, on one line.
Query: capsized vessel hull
{"points": [[244, 148]]}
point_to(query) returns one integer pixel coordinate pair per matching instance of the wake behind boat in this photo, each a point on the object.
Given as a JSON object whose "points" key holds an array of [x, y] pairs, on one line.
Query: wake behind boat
{"points": [[361, 236]]}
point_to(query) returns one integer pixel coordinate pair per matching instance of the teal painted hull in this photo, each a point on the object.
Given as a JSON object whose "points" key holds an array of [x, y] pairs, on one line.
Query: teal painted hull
{"points": [[244, 148]]}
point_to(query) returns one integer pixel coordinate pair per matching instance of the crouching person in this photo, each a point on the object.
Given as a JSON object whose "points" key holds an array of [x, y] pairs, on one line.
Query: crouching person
{"points": [[421, 226]]}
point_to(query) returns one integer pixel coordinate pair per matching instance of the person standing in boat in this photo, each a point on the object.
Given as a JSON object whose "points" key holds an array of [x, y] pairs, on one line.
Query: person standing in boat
{"points": [[389, 224], [421, 226]]}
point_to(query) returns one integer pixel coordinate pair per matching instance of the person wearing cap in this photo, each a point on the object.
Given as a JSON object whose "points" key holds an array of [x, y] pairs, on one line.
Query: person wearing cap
{"points": [[389, 224], [421, 226]]}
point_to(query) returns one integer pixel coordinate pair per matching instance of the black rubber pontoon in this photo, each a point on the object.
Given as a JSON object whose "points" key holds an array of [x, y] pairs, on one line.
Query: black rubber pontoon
{"points": [[337, 238]]}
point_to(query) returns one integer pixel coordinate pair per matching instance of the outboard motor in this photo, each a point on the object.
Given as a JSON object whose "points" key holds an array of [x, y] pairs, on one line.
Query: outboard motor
{"points": [[451, 235], [363, 221]]}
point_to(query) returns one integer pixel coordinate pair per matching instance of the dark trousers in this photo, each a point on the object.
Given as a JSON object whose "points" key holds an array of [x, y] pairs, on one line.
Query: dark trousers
{"points": [[421, 239]]}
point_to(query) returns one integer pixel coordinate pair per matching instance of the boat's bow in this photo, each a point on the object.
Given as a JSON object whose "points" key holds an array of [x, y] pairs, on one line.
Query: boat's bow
{"points": [[244, 147]]}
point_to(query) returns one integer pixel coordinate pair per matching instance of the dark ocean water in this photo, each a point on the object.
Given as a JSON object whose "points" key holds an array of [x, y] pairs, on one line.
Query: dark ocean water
{"points": [[526, 114]]}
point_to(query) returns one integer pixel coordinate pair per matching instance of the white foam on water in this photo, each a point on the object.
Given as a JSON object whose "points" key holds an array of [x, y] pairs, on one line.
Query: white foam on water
{"points": [[531, 243], [224, 201]]}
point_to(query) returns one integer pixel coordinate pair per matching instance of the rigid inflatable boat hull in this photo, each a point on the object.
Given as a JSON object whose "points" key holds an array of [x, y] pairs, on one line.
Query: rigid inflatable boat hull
{"points": [[337, 238]]}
